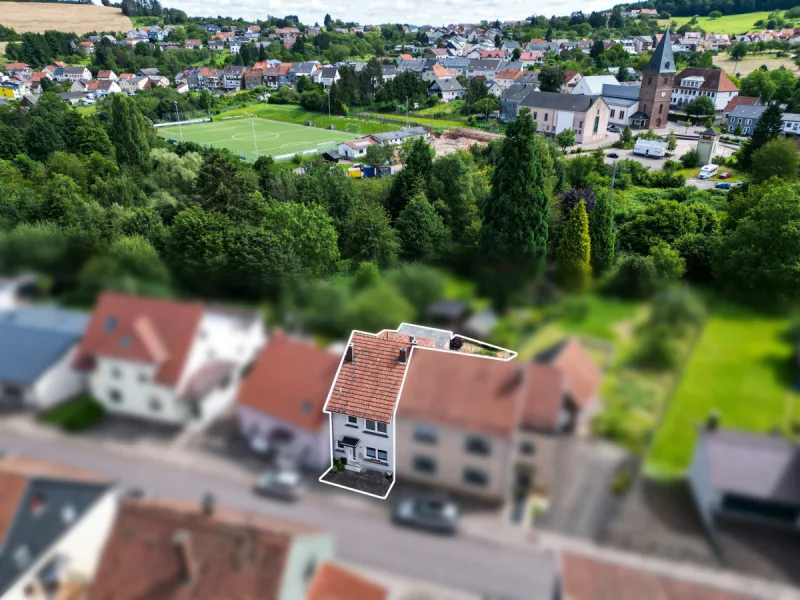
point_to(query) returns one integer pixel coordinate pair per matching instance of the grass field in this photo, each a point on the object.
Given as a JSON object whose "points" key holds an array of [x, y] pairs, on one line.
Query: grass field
{"points": [[752, 63], [292, 113], [272, 138], [729, 24], [37, 17], [742, 368]]}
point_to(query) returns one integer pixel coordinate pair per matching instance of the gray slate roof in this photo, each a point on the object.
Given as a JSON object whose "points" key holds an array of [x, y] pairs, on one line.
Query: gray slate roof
{"points": [[35, 532], [516, 92], [484, 64], [32, 339], [662, 60], [627, 92], [747, 112], [448, 85], [556, 101], [757, 466]]}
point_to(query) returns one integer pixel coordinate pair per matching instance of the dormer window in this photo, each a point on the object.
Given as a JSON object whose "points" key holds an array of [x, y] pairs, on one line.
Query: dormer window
{"points": [[111, 324]]}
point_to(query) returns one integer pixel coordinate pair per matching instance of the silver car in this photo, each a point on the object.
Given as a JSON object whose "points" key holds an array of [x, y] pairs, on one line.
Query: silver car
{"points": [[283, 483], [433, 514]]}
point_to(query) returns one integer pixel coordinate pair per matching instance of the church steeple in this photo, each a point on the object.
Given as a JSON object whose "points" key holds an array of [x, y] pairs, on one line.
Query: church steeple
{"points": [[662, 60]]}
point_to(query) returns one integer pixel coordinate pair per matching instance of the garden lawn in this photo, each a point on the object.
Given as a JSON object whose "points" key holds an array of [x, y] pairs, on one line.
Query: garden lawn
{"points": [[742, 368], [729, 24]]}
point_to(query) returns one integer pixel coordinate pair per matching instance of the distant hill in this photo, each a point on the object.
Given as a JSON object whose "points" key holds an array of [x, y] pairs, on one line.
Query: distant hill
{"points": [[689, 8], [61, 16]]}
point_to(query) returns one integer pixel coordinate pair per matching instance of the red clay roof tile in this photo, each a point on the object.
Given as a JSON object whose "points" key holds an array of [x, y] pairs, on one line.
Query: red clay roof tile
{"points": [[332, 582]]}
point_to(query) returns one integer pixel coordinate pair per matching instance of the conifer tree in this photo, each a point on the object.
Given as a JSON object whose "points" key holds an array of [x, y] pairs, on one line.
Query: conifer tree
{"points": [[573, 261], [601, 235]]}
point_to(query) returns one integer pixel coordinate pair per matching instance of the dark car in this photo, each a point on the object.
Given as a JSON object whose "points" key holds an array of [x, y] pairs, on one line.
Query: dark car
{"points": [[723, 186], [612, 155], [438, 515]]}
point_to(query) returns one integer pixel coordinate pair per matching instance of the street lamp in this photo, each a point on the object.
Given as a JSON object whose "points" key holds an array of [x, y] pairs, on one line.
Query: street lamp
{"points": [[178, 118], [255, 144]]}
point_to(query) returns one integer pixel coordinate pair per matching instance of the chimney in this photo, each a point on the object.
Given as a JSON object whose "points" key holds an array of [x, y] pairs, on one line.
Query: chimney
{"points": [[348, 355], [403, 355], [712, 423], [182, 540], [207, 504]]}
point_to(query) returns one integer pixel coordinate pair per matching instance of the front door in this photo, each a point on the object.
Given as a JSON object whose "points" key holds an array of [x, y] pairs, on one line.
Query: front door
{"points": [[351, 454]]}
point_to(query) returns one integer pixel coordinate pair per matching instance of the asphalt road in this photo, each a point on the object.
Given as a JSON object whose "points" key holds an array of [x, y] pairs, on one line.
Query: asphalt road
{"points": [[368, 538]]}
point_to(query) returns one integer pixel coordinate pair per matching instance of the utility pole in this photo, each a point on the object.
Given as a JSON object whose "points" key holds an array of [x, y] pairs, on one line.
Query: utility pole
{"points": [[255, 145], [178, 118]]}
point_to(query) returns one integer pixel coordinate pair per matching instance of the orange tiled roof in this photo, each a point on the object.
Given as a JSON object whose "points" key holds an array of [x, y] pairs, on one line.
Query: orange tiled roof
{"points": [[334, 583], [369, 386], [290, 381]]}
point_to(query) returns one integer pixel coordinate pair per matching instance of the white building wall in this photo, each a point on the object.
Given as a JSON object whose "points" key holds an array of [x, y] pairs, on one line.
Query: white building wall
{"points": [[82, 547], [564, 120], [308, 448], [340, 428], [140, 393], [59, 383]]}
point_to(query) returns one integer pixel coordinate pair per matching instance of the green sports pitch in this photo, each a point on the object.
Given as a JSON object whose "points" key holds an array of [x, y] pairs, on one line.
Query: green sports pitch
{"points": [[251, 138]]}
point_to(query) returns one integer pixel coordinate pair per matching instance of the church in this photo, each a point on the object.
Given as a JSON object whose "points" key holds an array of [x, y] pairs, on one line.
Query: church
{"points": [[656, 90]]}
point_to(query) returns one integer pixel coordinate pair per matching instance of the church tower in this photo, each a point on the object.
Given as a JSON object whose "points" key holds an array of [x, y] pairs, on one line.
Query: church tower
{"points": [[656, 90]]}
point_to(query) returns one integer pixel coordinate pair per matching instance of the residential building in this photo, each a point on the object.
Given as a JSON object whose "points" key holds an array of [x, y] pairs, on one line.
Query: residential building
{"points": [[389, 72], [252, 78], [192, 44], [11, 90], [745, 116], [586, 577], [216, 45], [622, 101], [303, 69], [571, 79], [107, 74], [133, 84], [532, 59], [745, 476], [372, 380], [18, 68], [398, 136], [167, 361], [446, 89], [593, 84], [332, 582], [72, 74], [739, 101], [327, 75], [486, 68], [54, 521], [505, 78], [232, 77], [147, 72], [175, 550], [87, 47], [279, 405], [693, 83], [440, 72], [37, 349], [102, 88], [656, 90], [355, 148], [554, 112]]}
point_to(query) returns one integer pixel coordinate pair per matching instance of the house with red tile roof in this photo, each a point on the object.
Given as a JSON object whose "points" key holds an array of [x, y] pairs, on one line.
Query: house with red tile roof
{"points": [[54, 521], [369, 388], [332, 582], [107, 74], [586, 577], [692, 83], [200, 551], [279, 405], [173, 362]]}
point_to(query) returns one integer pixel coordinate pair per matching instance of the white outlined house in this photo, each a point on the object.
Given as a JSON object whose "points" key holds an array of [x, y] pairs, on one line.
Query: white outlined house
{"points": [[366, 392]]}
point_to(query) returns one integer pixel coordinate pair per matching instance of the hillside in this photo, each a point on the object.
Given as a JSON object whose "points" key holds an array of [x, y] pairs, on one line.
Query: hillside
{"points": [[78, 18], [729, 24]]}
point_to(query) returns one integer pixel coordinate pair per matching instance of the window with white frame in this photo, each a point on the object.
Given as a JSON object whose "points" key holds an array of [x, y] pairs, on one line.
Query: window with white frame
{"points": [[369, 424], [382, 427], [425, 433], [478, 445], [352, 420]]}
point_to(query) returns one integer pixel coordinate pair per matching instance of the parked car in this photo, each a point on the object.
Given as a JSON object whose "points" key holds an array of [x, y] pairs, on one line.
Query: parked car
{"points": [[284, 483], [434, 514], [615, 129], [612, 155], [723, 186], [725, 175]]}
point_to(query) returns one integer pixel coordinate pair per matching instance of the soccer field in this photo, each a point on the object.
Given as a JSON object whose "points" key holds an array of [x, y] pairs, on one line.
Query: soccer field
{"points": [[273, 138]]}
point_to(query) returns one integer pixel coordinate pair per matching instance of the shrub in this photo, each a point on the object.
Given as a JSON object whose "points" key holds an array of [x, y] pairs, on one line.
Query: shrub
{"points": [[75, 415], [635, 277], [656, 349], [677, 310], [691, 159]]}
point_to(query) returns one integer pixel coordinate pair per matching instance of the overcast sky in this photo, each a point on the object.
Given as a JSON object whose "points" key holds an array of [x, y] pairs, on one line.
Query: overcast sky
{"points": [[417, 12]]}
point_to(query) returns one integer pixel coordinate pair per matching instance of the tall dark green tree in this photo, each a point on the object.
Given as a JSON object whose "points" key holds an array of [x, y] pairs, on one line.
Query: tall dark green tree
{"points": [[421, 230], [129, 132], [42, 138], [417, 156], [573, 261], [769, 127], [224, 186], [513, 236], [601, 234]]}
